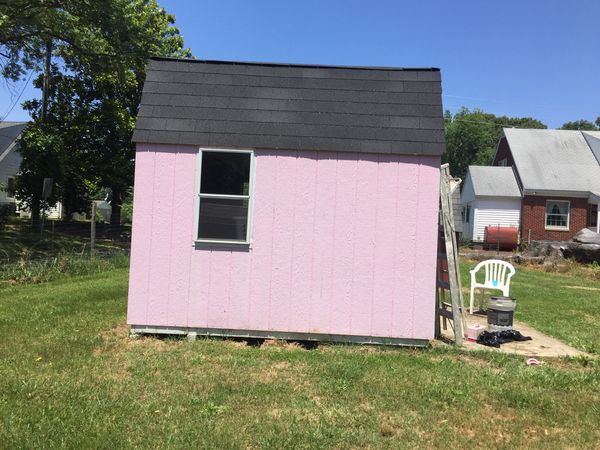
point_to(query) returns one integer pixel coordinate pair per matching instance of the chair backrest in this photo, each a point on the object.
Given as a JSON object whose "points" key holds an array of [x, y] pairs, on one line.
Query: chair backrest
{"points": [[496, 270]]}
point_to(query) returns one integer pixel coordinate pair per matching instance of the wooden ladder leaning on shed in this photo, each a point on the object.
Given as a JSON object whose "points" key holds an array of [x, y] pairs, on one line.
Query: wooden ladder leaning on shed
{"points": [[448, 271]]}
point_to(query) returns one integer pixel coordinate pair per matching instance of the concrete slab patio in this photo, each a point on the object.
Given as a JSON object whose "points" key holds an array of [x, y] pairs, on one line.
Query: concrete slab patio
{"points": [[541, 345]]}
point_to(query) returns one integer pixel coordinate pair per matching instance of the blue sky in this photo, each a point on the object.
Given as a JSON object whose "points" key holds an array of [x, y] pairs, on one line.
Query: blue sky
{"points": [[519, 58]]}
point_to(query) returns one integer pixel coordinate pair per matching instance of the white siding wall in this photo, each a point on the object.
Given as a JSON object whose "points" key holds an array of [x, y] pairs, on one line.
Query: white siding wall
{"points": [[9, 167], [505, 212], [53, 212]]}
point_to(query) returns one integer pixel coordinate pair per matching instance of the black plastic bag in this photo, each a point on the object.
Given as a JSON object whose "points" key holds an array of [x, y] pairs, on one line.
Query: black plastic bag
{"points": [[497, 338]]}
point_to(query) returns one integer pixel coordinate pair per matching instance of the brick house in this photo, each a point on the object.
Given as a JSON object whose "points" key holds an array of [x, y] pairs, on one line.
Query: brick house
{"points": [[558, 173]]}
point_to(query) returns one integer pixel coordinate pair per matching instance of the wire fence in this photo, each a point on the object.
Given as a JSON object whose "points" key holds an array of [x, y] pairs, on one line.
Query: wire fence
{"points": [[48, 250], [21, 240]]}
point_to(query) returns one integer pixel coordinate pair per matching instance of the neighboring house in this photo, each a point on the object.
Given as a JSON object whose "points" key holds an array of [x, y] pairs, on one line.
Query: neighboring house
{"points": [[490, 197], [10, 164], [10, 159], [558, 173], [286, 201]]}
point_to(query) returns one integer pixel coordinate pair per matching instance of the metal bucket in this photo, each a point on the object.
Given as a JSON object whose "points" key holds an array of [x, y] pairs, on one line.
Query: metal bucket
{"points": [[500, 311]]}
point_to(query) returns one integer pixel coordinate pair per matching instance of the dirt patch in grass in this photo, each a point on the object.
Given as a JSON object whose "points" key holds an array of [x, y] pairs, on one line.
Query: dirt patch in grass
{"points": [[274, 372], [117, 339], [282, 372]]}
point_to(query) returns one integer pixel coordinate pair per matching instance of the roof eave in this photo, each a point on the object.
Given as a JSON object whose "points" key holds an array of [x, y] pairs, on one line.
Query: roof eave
{"points": [[498, 196], [557, 193]]}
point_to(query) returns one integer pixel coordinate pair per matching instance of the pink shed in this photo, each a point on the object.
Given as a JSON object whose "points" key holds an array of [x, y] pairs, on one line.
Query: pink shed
{"points": [[338, 213]]}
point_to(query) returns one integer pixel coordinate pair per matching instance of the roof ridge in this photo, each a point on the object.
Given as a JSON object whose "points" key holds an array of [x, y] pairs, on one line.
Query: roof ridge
{"points": [[12, 122], [280, 64]]}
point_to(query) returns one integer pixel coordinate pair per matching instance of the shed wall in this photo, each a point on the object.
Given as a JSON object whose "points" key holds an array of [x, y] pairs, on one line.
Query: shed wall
{"points": [[342, 243]]}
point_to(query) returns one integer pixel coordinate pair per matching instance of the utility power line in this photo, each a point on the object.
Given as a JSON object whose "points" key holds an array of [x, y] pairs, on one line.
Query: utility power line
{"points": [[18, 97]]}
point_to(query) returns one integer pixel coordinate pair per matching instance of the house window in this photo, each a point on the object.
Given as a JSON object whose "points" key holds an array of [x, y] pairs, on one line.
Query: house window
{"points": [[466, 213], [593, 221], [503, 162], [225, 196], [557, 214]]}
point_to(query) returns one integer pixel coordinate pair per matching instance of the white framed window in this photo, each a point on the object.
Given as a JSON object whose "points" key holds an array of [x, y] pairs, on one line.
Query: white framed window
{"points": [[557, 214], [224, 184]]}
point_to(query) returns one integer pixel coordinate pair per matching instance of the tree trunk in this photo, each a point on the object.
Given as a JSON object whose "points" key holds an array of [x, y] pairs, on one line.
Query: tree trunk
{"points": [[35, 213], [115, 214]]}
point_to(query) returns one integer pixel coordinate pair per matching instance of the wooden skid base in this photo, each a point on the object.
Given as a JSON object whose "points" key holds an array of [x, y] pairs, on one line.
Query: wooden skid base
{"points": [[191, 333]]}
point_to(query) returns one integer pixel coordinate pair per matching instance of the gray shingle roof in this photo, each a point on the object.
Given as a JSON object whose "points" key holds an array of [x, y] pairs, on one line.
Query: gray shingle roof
{"points": [[593, 140], [9, 131], [554, 160], [264, 105], [494, 181]]}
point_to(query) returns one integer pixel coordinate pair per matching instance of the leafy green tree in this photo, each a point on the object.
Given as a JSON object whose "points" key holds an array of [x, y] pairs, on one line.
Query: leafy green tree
{"points": [[472, 136], [584, 125], [100, 49]]}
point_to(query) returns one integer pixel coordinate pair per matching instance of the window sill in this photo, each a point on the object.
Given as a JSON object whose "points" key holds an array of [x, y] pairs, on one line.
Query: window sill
{"points": [[556, 228], [221, 242]]}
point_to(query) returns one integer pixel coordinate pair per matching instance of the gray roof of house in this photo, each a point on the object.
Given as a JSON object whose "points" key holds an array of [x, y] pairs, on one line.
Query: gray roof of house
{"points": [[265, 105], [593, 140], [494, 181], [9, 132], [554, 160]]}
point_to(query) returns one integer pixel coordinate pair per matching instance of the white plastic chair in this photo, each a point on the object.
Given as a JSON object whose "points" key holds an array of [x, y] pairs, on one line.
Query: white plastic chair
{"points": [[497, 276]]}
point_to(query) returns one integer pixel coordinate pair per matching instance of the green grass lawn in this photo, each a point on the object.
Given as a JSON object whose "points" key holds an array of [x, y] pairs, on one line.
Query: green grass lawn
{"points": [[70, 377]]}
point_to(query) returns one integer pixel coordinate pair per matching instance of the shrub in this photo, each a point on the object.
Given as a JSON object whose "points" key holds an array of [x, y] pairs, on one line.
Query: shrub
{"points": [[127, 207], [6, 210]]}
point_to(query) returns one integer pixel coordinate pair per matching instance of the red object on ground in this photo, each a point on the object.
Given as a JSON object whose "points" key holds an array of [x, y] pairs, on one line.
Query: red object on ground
{"points": [[505, 238]]}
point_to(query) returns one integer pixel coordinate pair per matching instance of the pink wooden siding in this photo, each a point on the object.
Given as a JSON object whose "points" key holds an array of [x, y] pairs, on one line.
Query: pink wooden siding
{"points": [[342, 243]]}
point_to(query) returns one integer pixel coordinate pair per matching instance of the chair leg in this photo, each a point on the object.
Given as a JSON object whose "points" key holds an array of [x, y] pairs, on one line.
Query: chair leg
{"points": [[472, 299]]}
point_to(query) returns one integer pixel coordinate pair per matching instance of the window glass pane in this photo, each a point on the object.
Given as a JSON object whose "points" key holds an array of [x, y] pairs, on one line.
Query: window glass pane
{"points": [[223, 218], [557, 214], [225, 173], [557, 208]]}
